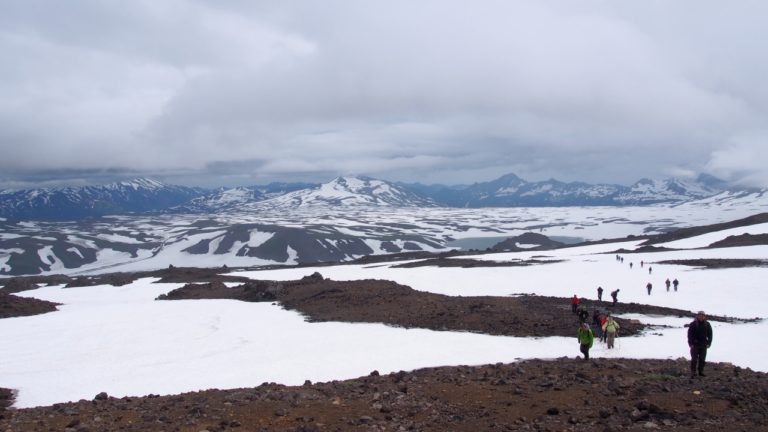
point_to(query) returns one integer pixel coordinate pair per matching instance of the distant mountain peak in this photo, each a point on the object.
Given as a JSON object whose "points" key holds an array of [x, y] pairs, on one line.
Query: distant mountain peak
{"points": [[352, 191]]}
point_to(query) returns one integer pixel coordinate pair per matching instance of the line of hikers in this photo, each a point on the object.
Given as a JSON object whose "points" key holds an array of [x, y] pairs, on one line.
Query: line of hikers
{"points": [[699, 334], [607, 330]]}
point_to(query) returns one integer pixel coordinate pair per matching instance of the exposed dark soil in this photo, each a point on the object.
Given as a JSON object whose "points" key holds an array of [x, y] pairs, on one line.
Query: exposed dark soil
{"points": [[511, 243], [562, 394], [741, 240], [169, 275], [718, 263], [704, 229], [15, 306], [381, 301], [557, 395], [468, 263], [6, 399]]}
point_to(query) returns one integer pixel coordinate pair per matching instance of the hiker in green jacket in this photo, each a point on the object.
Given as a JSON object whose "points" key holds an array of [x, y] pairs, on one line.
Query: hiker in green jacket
{"points": [[610, 328], [586, 338]]}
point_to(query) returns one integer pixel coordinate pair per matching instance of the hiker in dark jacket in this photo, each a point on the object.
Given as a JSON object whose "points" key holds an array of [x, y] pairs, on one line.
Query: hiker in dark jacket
{"points": [[597, 324], [615, 296], [583, 314], [699, 339], [599, 293], [649, 287], [667, 283], [675, 283]]}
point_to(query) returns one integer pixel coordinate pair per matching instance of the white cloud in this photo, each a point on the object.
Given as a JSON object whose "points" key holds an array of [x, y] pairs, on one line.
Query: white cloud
{"points": [[593, 91]]}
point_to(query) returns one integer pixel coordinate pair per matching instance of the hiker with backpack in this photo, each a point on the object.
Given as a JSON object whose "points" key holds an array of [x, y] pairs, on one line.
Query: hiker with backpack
{"points": [[666, 282], [597, 324], [611, 329], [674, 283], [586, 339], [603, 320], [599, 293], [583, 314], [649, 287]]}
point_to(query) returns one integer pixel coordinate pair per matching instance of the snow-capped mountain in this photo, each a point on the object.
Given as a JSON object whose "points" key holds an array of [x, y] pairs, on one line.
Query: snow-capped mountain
{"points": [[232, 199], [512, 191], [350, 191], [135, 196], [646, 191], [731, 199]]}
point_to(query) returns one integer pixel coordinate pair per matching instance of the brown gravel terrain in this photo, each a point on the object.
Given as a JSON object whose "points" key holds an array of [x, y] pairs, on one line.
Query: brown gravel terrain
{"points": [[381, 301], [15, 306], [564, 394], [718, 263], [557, 395]]}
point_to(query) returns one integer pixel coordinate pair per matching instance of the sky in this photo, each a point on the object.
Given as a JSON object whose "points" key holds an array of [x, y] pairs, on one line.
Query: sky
{"points": [[240, 92]]}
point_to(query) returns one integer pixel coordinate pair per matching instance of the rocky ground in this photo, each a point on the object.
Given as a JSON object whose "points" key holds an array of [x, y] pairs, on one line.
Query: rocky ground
{"points": [[15, 306], [546, 395], [557, 395], [718, 263], [382, 301]]}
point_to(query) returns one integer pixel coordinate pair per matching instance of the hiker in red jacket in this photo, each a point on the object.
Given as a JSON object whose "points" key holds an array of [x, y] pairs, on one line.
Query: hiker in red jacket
{"points": [[575, 303]]}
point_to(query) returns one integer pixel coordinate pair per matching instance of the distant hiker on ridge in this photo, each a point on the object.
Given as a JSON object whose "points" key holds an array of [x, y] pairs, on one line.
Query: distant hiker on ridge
{"points": [[574, 303], [674, 283], [650, 269], [599, 293], [586, 339], [649, 287], [630, 265], [666, 282], [615, 296], [699, 339]]}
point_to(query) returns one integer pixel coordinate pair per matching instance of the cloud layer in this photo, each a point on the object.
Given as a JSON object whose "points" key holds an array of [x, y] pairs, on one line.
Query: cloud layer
{"points": [[436, 91]]}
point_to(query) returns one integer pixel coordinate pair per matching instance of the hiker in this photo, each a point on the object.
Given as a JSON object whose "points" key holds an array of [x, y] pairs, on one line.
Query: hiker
{"points": [[615, 296], [574, 303], [699, 340], [630, 265], [650, 269], [674, 283], [583, 314], [641, 264], [611, 329], [586, 339], [649, 287], [603, 320], [597, 324], [599, 293], [666, 282]]}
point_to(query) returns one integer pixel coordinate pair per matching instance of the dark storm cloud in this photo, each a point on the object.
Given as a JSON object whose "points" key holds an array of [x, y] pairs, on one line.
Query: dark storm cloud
{"points": [[231, 92]]}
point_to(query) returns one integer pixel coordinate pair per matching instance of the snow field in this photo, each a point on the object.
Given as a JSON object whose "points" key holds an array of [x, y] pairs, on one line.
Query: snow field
{"points": [[120, 340]]}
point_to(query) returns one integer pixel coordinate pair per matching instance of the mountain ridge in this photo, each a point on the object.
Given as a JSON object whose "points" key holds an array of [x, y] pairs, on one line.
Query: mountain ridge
{"points": [[143, 195]]}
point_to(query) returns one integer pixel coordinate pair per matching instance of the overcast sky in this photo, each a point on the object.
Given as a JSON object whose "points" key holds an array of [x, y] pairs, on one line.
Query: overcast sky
{"points": [[244, 92]]}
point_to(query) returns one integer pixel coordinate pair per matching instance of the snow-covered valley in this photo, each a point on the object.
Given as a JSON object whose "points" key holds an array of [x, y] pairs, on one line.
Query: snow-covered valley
{"points": [[120, 340]]}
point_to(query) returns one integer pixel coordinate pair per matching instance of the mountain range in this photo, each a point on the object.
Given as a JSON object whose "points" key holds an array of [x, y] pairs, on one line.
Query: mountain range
{"points": [[149, 196]]}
